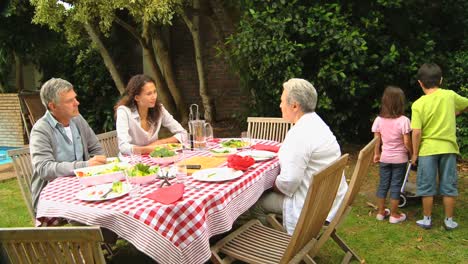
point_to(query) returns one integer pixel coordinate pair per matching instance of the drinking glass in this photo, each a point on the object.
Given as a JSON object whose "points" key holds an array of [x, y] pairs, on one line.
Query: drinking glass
{"points": [[180, 170], [245, 137], [135, 189], [135, 156]]}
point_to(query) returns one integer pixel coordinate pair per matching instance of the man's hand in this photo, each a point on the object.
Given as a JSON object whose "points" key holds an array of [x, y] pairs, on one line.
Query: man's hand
{"points": [[97, 160], [414, 159]]}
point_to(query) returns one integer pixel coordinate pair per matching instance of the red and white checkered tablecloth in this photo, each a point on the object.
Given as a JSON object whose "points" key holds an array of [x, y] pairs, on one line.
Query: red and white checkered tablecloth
{"points": [[175, 233]]}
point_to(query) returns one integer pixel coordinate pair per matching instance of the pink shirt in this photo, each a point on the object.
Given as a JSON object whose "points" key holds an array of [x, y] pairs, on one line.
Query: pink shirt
{"points": [[391, 131]]}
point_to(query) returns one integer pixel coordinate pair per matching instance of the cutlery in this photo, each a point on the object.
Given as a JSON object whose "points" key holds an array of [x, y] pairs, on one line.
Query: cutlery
{"points": [[107, 193]]}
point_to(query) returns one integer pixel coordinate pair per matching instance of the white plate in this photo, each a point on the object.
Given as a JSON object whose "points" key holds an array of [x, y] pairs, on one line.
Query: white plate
{"points": [[94, 193], [258, 155], [96, 178], [222, 152], [217, 174]]}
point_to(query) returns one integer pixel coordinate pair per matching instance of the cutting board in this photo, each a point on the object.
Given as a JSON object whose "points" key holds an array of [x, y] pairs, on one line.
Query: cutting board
{"points": [[204, 162]]}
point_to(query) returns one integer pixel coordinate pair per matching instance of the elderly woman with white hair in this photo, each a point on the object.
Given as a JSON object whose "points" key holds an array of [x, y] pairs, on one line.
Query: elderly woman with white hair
{"points": [[308, 147]]}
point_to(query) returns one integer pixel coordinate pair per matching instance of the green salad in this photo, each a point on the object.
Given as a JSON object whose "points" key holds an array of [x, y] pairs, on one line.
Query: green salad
{"points": [[117, 187], [140, 170], [162, 152], [220, 150], [234, 143]]}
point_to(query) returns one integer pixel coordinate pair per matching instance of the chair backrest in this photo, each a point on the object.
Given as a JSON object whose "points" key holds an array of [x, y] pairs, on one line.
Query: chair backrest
{"points": [[23, 168], [34, 106], [317, 205], [360, 171], [109, 142], [359, 174], [53, 244], [270, 128]]}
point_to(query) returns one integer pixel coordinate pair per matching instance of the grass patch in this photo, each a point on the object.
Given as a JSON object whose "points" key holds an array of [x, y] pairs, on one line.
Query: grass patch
{"points": [[375, 241], [13, 210]]}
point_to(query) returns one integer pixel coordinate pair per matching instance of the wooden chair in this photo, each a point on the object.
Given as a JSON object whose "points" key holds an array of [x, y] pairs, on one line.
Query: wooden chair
{"points": [[52, 244], [256, 243], [34, 106], [270, 128], [23, 168], [109, 142], [360, 173]]}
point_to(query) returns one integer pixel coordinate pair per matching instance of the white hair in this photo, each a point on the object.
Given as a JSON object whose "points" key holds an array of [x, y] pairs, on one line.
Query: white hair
{"points": [[302, 92], [51, 90]]}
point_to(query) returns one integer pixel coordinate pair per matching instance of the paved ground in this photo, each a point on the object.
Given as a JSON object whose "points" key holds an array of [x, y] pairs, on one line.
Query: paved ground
{"points": [[7, 171]]}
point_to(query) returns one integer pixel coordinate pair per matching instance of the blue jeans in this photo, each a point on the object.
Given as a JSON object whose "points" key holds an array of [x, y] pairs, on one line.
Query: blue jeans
{"points": [[391, 177], [429, 166]]}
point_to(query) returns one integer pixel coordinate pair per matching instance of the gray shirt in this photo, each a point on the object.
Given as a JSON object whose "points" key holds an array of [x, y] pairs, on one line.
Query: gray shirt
{"points": [[54, 155]]}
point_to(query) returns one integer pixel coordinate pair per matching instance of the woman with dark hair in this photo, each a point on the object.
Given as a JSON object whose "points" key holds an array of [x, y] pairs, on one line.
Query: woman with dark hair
{"points": [[140, 117]]}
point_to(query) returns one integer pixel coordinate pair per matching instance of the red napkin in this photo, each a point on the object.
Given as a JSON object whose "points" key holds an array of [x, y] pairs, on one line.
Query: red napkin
{"points": [[266, 147], [240, 163], [167, 195]]}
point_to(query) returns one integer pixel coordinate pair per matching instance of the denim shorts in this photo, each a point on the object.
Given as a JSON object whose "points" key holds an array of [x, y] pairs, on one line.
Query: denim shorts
{"points": [[428, 167], [391, 177]]}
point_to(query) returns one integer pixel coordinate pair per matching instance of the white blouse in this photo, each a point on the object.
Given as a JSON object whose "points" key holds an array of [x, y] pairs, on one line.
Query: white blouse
{"points": [[130, 133], [308, 147]]}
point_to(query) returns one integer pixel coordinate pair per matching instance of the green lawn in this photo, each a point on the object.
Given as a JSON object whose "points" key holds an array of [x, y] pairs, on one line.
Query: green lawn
{"points": [[374, 241]]}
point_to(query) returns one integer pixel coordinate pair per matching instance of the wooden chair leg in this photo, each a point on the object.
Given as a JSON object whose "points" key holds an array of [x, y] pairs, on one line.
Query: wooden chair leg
{"points": [[275, 224], [340, 242]]}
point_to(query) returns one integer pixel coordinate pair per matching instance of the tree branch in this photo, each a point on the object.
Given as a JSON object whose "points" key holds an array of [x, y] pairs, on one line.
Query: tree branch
{"points": [[129, 28]]}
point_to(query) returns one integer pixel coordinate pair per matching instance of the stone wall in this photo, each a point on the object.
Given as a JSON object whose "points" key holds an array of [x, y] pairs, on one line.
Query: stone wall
{"points": [[11, 125]]}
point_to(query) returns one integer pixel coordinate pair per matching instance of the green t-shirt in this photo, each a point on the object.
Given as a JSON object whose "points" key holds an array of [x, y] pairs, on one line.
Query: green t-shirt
{"points": [[434, 114]]}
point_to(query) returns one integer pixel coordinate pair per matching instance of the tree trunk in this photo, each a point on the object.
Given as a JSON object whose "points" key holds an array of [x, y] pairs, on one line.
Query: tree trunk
{"points": [[145, 41], [162, 52], [108, 61], [161, 86], [193, 26], [19, 78]]}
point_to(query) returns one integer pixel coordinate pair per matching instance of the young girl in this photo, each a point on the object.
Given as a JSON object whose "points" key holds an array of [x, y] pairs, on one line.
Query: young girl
{"points": [[140, 116], [392, 130]]}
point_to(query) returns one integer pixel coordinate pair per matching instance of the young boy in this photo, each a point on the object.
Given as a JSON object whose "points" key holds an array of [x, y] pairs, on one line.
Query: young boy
{"points": [[435, 143]]}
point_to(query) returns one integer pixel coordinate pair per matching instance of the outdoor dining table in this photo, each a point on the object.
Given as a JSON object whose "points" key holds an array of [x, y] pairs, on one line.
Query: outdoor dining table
{"points": [[174, 233]]}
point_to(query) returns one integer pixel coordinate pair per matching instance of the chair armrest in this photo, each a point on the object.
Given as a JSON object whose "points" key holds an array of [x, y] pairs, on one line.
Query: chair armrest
{"points": [[273, 221]]}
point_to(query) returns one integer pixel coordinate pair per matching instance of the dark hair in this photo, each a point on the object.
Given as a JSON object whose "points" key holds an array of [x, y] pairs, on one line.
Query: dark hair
{"points": [[134, 88], [393, 102], [430, 75]]}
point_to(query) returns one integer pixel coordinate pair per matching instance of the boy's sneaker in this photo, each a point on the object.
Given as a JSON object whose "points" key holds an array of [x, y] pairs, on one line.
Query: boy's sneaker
{"points": [[381, 217], [397, 220], [425, 223], [449, 224]]}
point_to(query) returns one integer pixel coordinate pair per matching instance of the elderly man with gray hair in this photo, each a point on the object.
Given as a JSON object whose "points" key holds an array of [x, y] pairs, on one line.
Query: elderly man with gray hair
{"points": [[61, 140], [308, 147]]}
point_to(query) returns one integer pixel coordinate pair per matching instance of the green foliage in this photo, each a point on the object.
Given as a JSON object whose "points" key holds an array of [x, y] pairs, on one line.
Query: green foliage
{"points": [[349, 50], [95, 90], [19, 38]]}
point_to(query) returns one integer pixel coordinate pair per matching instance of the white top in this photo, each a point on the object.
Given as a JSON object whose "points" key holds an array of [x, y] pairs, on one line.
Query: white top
{"points": [[130, 132], [308, 147], [68, 132]]}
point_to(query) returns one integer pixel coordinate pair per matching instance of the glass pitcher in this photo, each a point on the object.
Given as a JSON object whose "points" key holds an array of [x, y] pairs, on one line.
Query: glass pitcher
{"points": [[201, 132]]}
